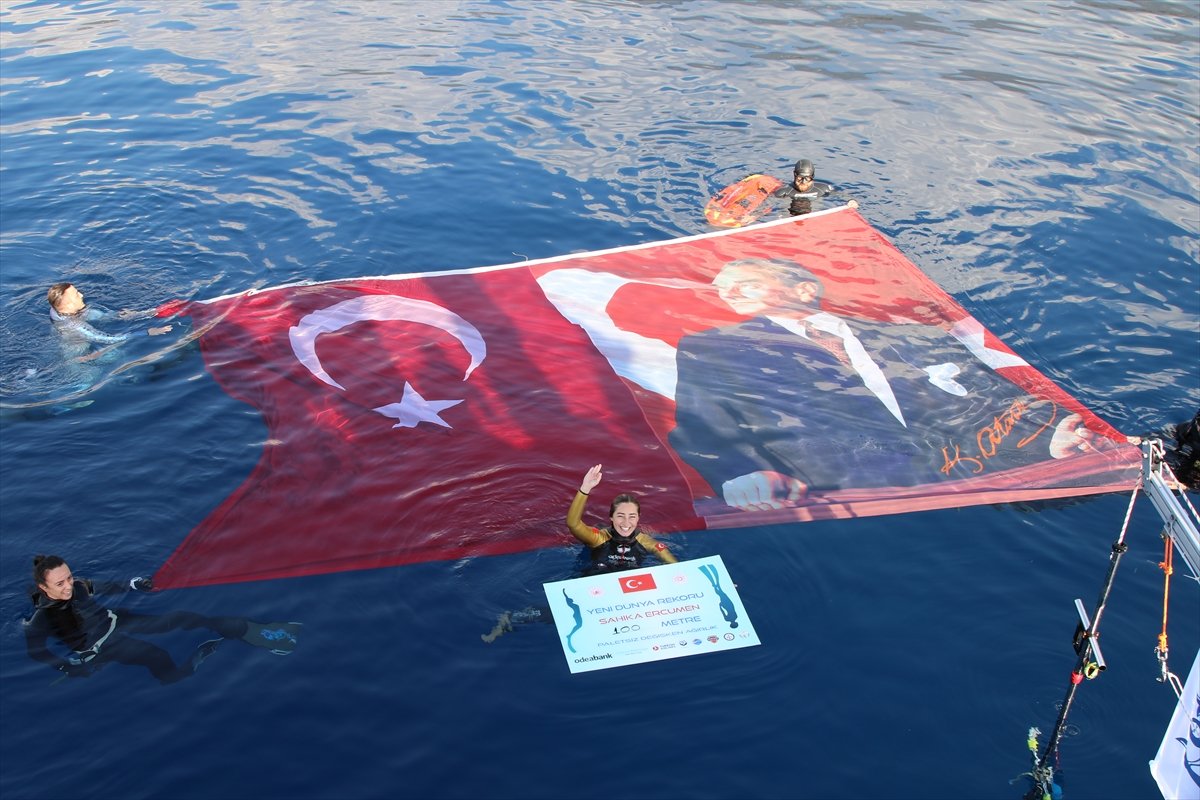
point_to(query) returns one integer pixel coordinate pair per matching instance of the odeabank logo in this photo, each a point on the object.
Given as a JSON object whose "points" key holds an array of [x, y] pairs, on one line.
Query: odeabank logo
{"points": [[593, 658]]}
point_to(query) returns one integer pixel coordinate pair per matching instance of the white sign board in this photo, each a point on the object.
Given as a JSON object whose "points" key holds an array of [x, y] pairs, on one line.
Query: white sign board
{"points": [[1176, 768], [666, 611]]}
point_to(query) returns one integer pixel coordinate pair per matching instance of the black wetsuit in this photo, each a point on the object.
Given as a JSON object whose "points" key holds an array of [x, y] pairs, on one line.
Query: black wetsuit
{"points": [[1184, 455], [618, 552], [97, 634], [802, 202], [609, 551]]}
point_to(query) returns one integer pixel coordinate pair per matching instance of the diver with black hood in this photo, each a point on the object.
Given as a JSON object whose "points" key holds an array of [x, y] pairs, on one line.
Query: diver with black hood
{"points": [[803, 190]]}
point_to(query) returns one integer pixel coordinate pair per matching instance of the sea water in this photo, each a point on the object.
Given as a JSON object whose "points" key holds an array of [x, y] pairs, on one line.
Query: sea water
{"points": [[1039, 160]]}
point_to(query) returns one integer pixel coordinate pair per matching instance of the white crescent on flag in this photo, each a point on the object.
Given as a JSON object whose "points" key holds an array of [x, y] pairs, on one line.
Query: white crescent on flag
{"points": [[412, 408]]}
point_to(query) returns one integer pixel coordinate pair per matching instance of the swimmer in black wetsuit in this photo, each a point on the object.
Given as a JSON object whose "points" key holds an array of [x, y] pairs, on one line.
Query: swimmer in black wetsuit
{"points": [[803, 190], [66, 611]]}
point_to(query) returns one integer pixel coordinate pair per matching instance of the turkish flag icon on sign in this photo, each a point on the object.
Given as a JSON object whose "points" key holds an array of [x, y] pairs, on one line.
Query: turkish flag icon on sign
{"points": [[637, 583]]}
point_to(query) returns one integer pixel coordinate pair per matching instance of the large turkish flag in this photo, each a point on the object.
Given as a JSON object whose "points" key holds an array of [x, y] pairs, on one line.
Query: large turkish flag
{"points": [[438, 416]]}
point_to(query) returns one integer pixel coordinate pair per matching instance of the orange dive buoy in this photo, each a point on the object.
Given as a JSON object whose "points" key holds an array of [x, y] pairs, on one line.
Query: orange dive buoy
{"points": [[735, 205]]}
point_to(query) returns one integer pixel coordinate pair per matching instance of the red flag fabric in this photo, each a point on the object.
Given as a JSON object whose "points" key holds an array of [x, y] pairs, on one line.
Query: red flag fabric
{"points": [[445, 415]]}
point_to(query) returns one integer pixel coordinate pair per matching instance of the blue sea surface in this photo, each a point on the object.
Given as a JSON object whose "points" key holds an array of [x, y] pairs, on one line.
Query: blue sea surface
{"points": [[1039, 160]]}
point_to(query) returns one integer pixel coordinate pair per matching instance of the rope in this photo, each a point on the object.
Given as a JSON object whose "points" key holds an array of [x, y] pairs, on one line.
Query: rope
{"points": [[1118, 547], [1043, 773], [1162, 651], [1129, 511], [1168, 568]]}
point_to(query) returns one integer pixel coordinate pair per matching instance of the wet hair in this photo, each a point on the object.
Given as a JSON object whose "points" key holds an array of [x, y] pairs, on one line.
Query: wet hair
{"points": [[623, 498], [56, 292], [42, 565], [789, 273], [804, 167]]}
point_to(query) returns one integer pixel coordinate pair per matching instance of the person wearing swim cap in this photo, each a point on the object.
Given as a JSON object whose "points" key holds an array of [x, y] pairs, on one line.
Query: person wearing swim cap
{"points": [[804, 189]]}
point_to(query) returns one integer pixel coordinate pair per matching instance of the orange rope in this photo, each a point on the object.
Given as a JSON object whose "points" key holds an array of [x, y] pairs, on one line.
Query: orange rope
{"points": [[1167, 566]]}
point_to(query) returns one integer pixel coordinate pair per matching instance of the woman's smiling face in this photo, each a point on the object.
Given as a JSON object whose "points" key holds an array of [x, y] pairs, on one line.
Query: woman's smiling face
{"points": [[625, 518]]}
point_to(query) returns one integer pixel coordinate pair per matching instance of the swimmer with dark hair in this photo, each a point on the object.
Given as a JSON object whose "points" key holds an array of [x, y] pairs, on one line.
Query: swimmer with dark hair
{"points": [[87, 634], [619, 546]]}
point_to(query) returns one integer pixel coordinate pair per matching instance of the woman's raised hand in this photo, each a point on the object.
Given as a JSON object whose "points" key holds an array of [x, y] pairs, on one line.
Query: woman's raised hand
{"points": [[592, 478]]}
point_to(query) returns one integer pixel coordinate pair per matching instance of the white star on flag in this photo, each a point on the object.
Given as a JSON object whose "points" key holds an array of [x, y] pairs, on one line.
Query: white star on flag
{"points": [[413, 409]]}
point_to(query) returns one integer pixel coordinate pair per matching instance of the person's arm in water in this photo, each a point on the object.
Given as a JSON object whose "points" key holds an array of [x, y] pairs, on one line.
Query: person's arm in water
{"points": [[119, 587], [94, 335], [98, 314], [37, 634], [580, 529], [82, 325], [96, 353]]}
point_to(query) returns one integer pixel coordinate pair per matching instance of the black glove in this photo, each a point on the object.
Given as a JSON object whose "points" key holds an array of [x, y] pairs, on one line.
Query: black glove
{"points": [[141, 584]]}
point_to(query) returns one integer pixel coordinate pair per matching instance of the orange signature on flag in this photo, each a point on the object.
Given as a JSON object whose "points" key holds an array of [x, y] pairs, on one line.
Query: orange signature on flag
{"points": [[991, 436]]}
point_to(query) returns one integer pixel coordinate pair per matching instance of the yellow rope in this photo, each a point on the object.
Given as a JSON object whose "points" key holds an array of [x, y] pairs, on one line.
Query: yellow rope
{"points": [[1168, 568]]}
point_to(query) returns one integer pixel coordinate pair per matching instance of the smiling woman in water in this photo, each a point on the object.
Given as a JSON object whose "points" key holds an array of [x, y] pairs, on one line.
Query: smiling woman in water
{"points": [[76, 634], [621, 545]]}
